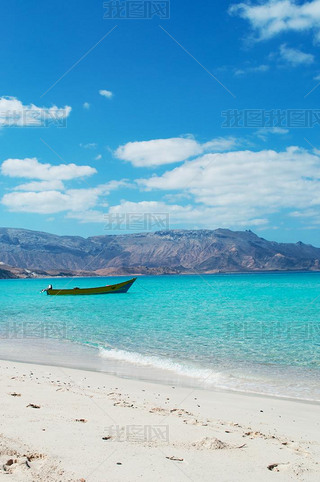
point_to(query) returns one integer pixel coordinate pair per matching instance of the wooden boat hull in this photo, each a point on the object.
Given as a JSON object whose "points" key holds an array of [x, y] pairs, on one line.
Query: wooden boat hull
{"points": [[103, 290]]}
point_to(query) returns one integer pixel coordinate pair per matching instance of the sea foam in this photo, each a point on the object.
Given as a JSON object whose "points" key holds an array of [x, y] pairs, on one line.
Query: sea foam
{"points": [[205, 375]]}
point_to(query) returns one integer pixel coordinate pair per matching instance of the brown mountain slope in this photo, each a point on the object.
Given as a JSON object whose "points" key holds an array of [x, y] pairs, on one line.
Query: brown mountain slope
{"points": [[176, 251]]}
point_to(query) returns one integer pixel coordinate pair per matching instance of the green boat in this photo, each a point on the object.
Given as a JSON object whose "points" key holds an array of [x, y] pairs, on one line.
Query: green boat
{"points": [[102, 290]]}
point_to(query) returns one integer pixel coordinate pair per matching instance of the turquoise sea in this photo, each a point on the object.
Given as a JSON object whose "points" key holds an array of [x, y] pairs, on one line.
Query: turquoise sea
{"points": [[256, 333]]}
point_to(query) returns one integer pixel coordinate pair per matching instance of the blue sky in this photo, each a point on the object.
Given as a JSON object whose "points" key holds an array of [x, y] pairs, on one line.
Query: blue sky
{"points": [[109, 123]]}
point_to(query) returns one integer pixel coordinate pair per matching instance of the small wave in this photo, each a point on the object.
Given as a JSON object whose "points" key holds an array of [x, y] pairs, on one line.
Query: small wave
{"points": [[208, 378], [203, 374]]}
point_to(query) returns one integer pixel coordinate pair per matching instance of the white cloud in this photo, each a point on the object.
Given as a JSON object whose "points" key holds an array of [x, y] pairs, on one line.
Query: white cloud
{"points": [[89, 145], [31, 168], [263, 133], [158, 152], [75, 202], [49, 202], [295, 57], [305, 214], [233, 188], [188, 216], [106, 93], [273, 17], [248, 70], [278, 130], [253, 184], [239, 72], [98, 157], [260, 68], [86, 105], [40, 186], [114, 185], [219, 144], [88, 216], [14, 113], [174, 197]]}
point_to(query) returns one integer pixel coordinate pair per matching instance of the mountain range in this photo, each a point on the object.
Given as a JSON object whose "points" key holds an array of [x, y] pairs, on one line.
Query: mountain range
{"points": [[25, 253]]}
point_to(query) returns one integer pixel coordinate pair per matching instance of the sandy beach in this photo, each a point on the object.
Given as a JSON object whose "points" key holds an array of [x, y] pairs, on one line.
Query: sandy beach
{"points": [[62, 424]]}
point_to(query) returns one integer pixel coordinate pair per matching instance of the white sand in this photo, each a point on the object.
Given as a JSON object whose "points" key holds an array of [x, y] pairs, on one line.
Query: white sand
{"points": [[218, 436]]}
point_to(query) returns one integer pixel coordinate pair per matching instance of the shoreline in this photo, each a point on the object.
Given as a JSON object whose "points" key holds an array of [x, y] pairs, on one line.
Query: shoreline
{"points": [[86, 425], [166, 274], [167, 384], [79, 356], [76, 355]]}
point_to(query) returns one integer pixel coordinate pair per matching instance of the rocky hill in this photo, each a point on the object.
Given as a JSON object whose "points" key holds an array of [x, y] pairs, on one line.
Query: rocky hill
{"points": [[162, 252]]}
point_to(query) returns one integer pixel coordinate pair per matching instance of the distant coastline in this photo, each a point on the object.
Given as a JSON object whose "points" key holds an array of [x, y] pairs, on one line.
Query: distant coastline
{"points": [[32, 254], [18, 273]]}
